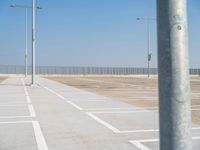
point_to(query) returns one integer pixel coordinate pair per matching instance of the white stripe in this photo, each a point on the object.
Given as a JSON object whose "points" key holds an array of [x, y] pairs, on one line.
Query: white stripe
{"points": [[138, 143], [157, 140], [50, 90], [138, 131], [195, 109], [150, 130], [76, 106], [196, 93], [13, 117], [41, 143], [89, 109], [28, 99], [146, 140], [14, 103], [196, 138], [195, 105], [15, 122], [196, 128], [121, 112], [139, 86], [115, 130], [32, 111], [60, 96], [26, 92], [25, 89], [140, 146], [89, 100]]}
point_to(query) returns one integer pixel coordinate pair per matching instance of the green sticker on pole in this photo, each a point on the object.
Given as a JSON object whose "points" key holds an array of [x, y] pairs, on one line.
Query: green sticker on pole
{"points": [[178, 18]]}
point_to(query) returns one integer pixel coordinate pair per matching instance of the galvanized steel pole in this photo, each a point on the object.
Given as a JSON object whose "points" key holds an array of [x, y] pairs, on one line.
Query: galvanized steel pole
{"points": [[148, 42], [33, 42], [174, 85], [26, 46], [148, 47]]}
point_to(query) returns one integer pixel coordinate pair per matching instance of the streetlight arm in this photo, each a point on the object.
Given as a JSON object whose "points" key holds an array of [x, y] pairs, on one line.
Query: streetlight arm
{"points": [[148, 19], [24, 6]]}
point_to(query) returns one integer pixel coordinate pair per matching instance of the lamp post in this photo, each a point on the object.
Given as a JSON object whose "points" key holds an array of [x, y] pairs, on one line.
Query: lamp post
{"points": [[26, 38], [174, 82], [149, 53], [33, 42]]}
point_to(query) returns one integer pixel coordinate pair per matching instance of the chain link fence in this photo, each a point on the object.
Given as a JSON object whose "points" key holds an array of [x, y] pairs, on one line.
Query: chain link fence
{"points": [[84, 70]]}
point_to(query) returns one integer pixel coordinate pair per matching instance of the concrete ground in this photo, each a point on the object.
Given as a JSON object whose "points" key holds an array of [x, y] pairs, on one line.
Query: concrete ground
{"points": [[54, 116], [141, 92]]}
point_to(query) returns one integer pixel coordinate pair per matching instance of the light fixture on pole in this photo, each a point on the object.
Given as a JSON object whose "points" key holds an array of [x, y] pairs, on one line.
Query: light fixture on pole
{"points": [[26, 36], [149, 53]]}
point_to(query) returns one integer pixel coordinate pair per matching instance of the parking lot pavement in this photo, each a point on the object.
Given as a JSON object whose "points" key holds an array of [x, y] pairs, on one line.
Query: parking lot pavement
{"points": [[19, 126], [54, 116]]}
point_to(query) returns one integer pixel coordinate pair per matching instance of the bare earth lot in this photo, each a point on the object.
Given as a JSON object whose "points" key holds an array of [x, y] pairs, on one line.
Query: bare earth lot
{"points": [[140, 92], [2, 78]]}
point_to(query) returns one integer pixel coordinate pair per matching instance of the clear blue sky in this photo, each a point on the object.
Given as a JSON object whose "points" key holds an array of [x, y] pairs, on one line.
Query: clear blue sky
{"points": [[88, 32]]}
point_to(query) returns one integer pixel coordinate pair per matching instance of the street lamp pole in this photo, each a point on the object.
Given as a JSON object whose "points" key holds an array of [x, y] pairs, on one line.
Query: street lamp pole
{"points": [[148, 47], [26, 37], [148, 42], [33, 42], [26, 52], [174, 82]]}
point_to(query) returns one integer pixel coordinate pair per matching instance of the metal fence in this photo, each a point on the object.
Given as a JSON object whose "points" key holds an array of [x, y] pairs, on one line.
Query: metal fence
{"points": [[84, 70]]}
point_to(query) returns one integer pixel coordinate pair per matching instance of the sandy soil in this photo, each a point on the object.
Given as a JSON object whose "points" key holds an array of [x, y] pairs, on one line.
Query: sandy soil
{"points": [[2, 78], [140, 92]]}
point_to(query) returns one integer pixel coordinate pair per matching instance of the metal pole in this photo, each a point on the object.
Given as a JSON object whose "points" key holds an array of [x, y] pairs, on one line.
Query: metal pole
{"points": [[174, 85], [148, 47], [26, 50], [33, 42]]}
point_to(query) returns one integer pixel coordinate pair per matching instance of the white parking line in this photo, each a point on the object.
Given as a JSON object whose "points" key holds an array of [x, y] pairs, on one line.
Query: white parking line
{"points": [[28, 99], [14, 117], [97, 109], [41, 143], [15, 122], [119, 83], [52, 91], [40, 140], [122, 112], [31, 110], [62, 97], [89, 100], [115, 130], [76, 106], [26, 92], [14, 103], [138, 143]]}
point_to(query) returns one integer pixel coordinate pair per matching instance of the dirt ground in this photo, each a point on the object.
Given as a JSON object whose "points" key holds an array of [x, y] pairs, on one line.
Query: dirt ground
{"points": [[141, 92], [2, 78]]}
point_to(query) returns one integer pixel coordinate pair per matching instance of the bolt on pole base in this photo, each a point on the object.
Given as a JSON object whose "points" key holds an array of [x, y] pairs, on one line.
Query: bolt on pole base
{"points": [[174, 85]]}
